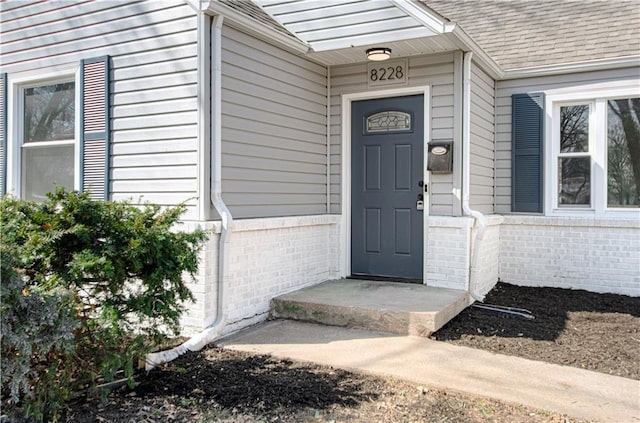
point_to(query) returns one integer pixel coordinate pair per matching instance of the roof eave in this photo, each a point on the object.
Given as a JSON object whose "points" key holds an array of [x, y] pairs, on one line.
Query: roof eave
{"points": [[466, 43], [455, 33], [254, 27], [564, 68], [421, 14]]}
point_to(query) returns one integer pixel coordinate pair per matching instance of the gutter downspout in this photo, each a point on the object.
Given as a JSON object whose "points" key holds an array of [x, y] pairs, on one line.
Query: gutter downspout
{"points": [[479, 219], [328, 139], [198, 341]]}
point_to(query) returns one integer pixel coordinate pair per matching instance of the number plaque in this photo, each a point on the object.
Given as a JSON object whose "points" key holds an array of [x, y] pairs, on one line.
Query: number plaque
{"points": [[382, 74]]}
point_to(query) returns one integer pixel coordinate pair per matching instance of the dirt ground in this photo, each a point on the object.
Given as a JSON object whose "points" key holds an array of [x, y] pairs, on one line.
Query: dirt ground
{"points": [[576, 328]]}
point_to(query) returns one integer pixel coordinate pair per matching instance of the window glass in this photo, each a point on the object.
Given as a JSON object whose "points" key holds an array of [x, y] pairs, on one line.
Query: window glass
{"points": [[48, 139], [574, 129], [391, 121], [49, 112], [623, 152], [574, 160], [574, 180], [45, 169]]}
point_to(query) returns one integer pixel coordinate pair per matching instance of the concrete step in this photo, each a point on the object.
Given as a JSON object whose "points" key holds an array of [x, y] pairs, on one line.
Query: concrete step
{"points": [[401, 308]]}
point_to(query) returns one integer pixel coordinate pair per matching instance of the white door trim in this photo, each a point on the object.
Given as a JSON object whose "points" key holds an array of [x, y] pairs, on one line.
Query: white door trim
{"points": [[345, 226]]}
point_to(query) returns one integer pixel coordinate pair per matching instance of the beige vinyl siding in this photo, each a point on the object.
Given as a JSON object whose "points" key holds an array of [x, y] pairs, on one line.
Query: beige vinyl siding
{"points": [[482, 141], [273, 130], [153, 48], [504, 91], [434, 70]]}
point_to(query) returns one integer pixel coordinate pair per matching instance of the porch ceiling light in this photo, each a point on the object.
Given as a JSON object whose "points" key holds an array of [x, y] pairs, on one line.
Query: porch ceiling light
{"points": [[378, 53]]}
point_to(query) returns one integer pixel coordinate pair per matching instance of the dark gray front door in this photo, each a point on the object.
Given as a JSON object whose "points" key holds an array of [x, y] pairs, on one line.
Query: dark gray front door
{"points": [[387, 138]]}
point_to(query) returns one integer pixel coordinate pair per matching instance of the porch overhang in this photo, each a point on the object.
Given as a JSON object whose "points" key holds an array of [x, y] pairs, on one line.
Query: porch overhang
{"points": [[339, 32]]}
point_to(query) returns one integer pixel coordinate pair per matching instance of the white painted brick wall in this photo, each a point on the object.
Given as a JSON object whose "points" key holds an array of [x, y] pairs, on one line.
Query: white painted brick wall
{"points": [[201, 312], [489, 256], [448, 251], [448, 254], [599, 255], [267, 258]]}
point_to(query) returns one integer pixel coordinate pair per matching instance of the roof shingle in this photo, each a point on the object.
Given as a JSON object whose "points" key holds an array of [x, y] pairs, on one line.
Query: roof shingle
{"points": [[524, 33]]}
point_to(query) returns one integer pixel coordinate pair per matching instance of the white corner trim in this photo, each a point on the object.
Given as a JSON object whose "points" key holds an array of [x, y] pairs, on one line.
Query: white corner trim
{"points": [[204, 116], [255, 27]]}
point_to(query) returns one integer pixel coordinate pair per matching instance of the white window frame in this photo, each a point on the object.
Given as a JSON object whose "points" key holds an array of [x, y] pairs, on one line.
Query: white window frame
{"points": [[596, 98], [15, 126]]}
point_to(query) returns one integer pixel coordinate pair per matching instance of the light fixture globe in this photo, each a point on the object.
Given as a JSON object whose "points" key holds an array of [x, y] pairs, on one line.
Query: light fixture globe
{"points": [[378, 54]]}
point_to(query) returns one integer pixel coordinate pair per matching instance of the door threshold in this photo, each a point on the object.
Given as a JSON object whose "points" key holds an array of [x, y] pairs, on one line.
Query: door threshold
{"points": [[386, 279]]}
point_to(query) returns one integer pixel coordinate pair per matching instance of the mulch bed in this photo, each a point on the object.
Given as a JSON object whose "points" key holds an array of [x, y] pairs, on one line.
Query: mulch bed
{"points": [[599, 332], [593, 331], [218, 385]]}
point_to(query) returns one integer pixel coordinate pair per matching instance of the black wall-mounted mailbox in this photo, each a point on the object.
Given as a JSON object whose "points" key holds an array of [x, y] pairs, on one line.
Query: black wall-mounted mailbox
{"points": [[440, 158]]}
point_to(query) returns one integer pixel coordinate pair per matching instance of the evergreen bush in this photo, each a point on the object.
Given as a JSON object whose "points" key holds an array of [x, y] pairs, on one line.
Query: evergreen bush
{"points": [[88, 289]]}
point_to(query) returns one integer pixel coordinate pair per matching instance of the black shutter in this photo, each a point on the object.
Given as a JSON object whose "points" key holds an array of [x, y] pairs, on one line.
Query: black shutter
{"points": [[94, 127], [527, 134], [3, 134]]}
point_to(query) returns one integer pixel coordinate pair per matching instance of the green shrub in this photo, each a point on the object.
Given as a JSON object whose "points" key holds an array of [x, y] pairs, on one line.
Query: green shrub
{"points": [[88, 288]]}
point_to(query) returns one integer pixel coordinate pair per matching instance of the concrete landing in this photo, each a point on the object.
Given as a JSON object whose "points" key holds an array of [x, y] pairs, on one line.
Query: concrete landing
{"points": [[401, 308], [578, 393]]}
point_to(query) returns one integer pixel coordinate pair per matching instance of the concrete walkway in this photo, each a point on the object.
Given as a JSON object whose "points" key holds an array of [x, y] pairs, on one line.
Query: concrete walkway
{"points": [[575, 392]]}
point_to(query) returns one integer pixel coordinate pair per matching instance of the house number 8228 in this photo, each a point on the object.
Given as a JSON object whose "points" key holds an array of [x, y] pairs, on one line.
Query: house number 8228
{"points": [[388, 73]]}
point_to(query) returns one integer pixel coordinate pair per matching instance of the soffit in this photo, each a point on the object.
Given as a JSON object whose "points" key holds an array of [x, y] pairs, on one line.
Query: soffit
{"points": [[414, 47], [338, 32], [335, 30]]}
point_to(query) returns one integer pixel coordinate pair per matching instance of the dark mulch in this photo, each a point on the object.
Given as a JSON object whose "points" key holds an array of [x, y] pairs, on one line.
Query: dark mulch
{"points": [[218, 385], [599, 332], [593, 331]]}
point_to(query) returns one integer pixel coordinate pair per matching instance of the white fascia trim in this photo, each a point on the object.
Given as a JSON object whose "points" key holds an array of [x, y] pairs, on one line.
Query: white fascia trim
{"points": [[421, 14], [592, 65], [255, 28]]}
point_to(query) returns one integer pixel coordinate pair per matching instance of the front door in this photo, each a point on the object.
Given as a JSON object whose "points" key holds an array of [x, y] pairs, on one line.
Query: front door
{"points": [[387, 137]]}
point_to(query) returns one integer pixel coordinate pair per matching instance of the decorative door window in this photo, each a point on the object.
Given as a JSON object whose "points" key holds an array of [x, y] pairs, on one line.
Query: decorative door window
{"points": [[389, 121]]}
